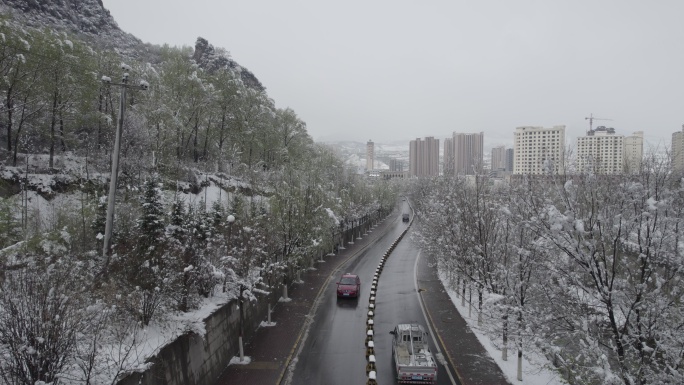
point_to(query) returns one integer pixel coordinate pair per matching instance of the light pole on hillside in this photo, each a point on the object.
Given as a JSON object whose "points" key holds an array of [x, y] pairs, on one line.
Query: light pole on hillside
{"points": [[230, 219], [242, 321], [142, 85]]}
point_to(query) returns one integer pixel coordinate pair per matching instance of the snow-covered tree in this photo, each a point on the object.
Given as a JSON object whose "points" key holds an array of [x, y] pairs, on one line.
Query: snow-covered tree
{"points": [[150, 226], [583, 268]]}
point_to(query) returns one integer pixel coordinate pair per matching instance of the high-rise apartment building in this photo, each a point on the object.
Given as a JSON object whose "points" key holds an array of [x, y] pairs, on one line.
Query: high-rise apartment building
{"points": [[448, 158], [601, 151], [370, 155], [509, 159], [539, 150], [678, 150], [634, 152], [396, 165], [463, 154], [498, 158], [424, 157]]}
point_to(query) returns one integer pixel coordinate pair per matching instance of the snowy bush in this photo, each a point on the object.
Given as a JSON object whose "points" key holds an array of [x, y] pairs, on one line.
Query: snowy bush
{"points": [[42, 312]]}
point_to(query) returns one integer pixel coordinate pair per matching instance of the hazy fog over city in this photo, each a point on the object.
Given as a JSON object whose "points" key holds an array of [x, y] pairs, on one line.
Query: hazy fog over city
{"points": [[391, 70]]}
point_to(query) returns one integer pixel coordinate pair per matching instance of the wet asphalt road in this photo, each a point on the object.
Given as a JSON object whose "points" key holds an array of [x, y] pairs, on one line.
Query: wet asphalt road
{"points": [[333, 351]]}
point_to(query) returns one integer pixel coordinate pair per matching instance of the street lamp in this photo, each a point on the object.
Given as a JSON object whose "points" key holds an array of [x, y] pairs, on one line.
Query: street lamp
{"points": [[142, 85], [242, 328], [353, 222], [230, 219], [332, 238]]}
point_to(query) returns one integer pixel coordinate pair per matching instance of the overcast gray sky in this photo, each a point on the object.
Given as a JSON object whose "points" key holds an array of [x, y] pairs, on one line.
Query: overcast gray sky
{"points": [[400, 69]]}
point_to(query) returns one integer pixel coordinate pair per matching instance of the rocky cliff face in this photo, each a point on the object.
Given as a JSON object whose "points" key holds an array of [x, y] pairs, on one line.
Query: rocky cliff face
{"points": [[87, 18], [90, 19], [211, 59]]}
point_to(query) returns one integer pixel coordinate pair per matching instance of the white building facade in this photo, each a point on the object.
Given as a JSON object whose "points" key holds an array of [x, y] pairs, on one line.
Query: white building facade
{"points": [[601, 151], [634, 152], [539, 150]]}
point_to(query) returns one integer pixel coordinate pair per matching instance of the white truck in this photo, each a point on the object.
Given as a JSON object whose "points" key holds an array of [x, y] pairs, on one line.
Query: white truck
{"points": [[413, 360]]}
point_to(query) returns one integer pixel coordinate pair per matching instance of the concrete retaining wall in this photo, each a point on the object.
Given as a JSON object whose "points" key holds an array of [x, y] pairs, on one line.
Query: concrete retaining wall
{"points": [[193, 360]]}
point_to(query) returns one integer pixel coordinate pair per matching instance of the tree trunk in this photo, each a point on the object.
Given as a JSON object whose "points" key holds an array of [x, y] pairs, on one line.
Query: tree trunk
{"points": [[205, 151], [61, 132], [179, 144], [470, 300], [100, 102], [479, 304], [53, 123], [10, 109], [504, 349], [463, 293], [220, 142], [195, 150], [18, 134], [520, 378], [521, 327]]}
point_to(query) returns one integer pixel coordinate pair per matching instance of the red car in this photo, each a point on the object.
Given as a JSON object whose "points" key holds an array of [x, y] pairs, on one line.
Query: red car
{"points": [[349, 286]]}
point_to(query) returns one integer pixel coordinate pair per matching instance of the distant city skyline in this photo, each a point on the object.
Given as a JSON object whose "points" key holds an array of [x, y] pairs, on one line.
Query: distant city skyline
{"points": [[603, 149], [489, 144]]}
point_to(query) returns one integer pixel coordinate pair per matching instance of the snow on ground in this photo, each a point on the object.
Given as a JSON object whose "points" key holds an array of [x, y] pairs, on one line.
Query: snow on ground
{"points": [[213, 192], [236, 361], [532, 374], [171, 326], [194, 321], [71, 165], [45, 214], [127, 347], [209, 194]]}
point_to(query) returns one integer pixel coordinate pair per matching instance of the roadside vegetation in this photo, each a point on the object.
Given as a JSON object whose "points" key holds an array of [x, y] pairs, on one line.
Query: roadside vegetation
{"points": [[68, 313], [583, 269]]}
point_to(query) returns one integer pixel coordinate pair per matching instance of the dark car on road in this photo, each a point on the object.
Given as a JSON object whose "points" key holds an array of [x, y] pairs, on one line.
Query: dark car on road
{"points": [[405, 217], [349, 286]]}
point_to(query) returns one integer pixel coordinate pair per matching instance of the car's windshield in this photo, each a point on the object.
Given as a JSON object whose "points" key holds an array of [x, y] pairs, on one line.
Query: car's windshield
{"points": [[347, 281]]}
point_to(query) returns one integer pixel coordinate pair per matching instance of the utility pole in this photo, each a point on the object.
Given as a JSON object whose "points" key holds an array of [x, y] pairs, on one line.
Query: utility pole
{"points": [[106, 249]]}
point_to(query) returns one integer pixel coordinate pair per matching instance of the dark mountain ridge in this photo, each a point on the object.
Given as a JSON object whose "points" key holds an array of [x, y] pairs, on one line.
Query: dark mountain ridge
{"points": [[90, 20], [86, 18]]}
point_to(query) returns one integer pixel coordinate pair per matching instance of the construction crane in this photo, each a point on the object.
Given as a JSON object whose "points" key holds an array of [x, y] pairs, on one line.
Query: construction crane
{"points": [[591, 119]]}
